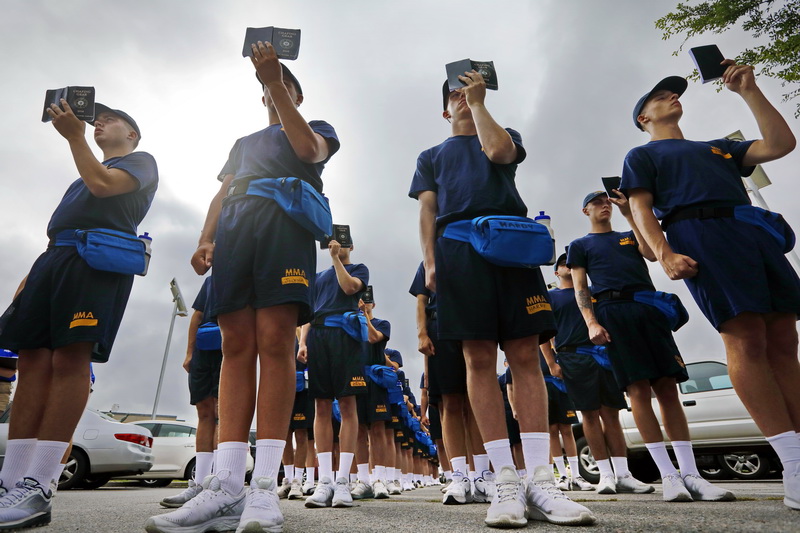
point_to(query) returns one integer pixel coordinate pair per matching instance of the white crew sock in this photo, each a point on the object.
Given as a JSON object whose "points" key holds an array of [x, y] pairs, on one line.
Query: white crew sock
{"points": [[353, 478], [17, 461], [459, 466], [203, 463], [535, 449], [604, 465], [288, 473], [499, 452], [345, 463], [620, 466], [472, 475], [786, 446], [325, 465], [363, 473], [268, 458], [561, 466], [46, 459], [685, 456], [481, 463], [448, 475], [658, 451], [574, 469], [310, 471], [214, 462], [522, 472], [231, 465], [380, 474]]}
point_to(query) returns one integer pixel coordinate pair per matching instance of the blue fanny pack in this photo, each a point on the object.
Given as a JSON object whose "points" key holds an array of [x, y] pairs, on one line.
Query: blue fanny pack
{"points": [[558, 382], [209, 337], [599, 353], [667, 303], [505, 240], [301, 381], [413, 424], [381, 375], [335, 411], [773, 223], [395, 392], [353, 323], [309, 208], [107, 249]]}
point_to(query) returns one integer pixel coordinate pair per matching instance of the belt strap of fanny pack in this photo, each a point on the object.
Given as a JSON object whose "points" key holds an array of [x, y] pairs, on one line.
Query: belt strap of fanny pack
{"points": [[66, 237], [239, 186], [697, 212], [458, 230], [613, 295], [572, 348]]}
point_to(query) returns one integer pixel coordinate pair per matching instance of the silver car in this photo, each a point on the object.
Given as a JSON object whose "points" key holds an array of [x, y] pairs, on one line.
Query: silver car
{"points": [[101, 448]]}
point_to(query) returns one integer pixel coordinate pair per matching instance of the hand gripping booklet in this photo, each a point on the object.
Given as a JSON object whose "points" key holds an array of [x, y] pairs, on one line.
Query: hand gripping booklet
{"points": [[285, 42], [611, 183], [341, 234], [458, 68], [80, 99], [707, 59]]}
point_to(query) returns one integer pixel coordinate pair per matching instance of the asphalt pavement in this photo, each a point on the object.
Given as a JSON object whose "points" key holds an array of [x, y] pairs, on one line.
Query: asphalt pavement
{"points": [[124, 507]]}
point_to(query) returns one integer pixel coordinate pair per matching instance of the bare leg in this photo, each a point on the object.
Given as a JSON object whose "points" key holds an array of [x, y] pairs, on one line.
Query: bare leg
{"points": [[237, 381]]}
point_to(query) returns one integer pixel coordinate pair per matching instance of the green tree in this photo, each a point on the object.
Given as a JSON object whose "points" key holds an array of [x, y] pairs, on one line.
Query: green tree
{"points": [[777, 21]]}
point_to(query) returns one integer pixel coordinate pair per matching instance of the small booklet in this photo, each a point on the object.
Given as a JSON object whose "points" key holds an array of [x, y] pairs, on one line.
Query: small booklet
{"points": [[458, 68], [707, 59], [609, 184], [80, 99], [368, 297], [285, 42], [341, 234]]}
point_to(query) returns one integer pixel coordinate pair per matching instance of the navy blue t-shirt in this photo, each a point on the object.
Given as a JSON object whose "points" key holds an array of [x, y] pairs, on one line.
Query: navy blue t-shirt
{"points": [[571, 327], [467, 184], [683, 173], [268, 154], [204, 302], [418, 287], [612, 260], [80, 209], [376, 349], [329, 298]]}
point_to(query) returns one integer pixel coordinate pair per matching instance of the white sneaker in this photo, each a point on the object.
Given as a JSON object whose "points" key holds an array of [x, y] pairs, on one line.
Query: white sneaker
{"points": [[703, 491], [563, 483], [407, 485], [579, 483], [361, 491], [508, 504], [674, 489], [213, 509], [283, 490], [296, 490], [791, 488], [394, 487], [446, 485], [628, 483], [483, 489], [341, 494], [28, 504], [261, 511], [607, 485], [323, 494], [459, 493], [379, 490], [179, 499], [308, 487], [545, 502]]}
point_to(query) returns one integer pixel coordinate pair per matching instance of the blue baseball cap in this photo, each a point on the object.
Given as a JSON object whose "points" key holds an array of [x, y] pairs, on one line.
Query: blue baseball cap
{"points": [[592, 195], [676, 84], [561, 259], [394, 356], [100, 108]]}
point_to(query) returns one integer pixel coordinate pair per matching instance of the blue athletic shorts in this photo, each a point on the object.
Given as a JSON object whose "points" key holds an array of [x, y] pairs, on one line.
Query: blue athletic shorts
{"points": [[741, 268], [262, 258], [477, 300], [641, 344], [512, 425], [302, 411], [335, 364], [589, 385], [447, 369], [64, 302], [436, 422], [374, 405], [560, 409], [204, 375]]}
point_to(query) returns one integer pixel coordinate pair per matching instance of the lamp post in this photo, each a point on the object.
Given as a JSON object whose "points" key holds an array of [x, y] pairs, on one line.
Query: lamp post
{"points": [[179, 309]]}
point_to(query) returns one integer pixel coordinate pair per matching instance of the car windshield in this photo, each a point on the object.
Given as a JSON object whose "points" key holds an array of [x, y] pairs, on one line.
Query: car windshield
{"points": [[707, 376]]}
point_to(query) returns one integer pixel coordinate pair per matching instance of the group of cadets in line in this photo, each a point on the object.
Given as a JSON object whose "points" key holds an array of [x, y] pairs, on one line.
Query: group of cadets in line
{"points": [[341, 436]]}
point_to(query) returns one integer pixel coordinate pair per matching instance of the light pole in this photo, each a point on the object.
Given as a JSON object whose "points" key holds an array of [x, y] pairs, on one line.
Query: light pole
{"points": [[179, 309], [758, 180]]}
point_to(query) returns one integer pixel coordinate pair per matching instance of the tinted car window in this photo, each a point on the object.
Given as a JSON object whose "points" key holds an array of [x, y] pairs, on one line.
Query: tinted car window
{"points": [[152, 426], [705, 377], [172, 430]]}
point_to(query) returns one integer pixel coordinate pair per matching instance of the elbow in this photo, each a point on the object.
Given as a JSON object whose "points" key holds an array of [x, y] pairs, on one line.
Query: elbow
{"points": [[502, 156], [310, 153]]}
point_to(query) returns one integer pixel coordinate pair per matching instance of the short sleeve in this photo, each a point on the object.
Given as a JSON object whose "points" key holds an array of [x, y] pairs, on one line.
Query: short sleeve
{"points": [[517, 138], [141, 165], [638, 171], [230, 164], [576, 255], [383, 326], [424, 178], [737, 150], [418, 285], [361, 272], [327, 132]]}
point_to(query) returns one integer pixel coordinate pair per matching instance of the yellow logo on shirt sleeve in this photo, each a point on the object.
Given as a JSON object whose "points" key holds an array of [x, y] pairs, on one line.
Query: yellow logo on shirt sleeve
{"points": [[83, 318], [717, 151], [534, 304], [627, 241], [294, 275]]}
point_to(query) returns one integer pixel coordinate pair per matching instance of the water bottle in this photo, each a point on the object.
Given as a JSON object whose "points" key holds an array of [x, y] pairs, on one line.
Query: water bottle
{"points": [[544, 220], [147, 240]]}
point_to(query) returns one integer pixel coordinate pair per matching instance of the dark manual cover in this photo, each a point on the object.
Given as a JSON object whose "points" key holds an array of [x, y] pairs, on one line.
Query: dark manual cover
{"points": [[458, 68], [285, 42], [609, 184], [341, 234], [80, 99], [707, 59]]}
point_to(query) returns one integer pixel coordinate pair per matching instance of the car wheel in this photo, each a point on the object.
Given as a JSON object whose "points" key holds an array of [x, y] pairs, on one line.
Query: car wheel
{"points": [[586, 463], [94, 482], [744, 465], [189, 473], [74, 471], [155, 482]]}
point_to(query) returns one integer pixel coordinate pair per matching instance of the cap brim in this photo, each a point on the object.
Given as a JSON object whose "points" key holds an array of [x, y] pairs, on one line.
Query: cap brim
{"points": [[591, 196], [102, 108], [675, 84]]}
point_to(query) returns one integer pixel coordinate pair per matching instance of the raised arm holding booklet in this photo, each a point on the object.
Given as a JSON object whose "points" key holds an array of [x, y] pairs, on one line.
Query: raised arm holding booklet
{"points": [[707, 59], [80, 99], [458, 68], [285, 42]]}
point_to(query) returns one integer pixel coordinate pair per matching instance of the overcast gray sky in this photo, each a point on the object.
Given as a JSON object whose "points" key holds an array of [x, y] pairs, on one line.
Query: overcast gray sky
{"points": [[569, 74]]}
